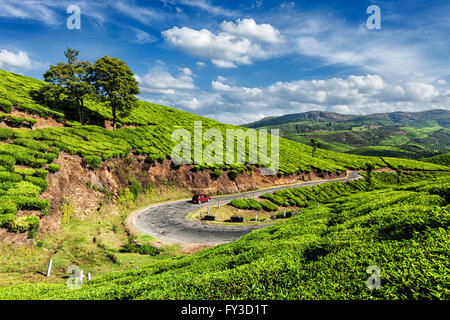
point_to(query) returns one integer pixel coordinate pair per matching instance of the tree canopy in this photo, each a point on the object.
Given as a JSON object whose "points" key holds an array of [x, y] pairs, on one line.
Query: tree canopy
{"points": [[114, 82], [70, 79]]}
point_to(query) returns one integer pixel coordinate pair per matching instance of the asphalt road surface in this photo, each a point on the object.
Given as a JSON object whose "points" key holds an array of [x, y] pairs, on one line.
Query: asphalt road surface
{"points": [[166, 222]]}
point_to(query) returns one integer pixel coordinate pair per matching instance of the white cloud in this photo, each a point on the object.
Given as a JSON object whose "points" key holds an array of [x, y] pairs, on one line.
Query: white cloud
{"points": [[28, 10], [441, 81], [239, 43], [158, 80], [143, 15], [143, 37], [16, 62], [206, 6], [353, 94], [223, 63], [201, 64], [248, 28]]}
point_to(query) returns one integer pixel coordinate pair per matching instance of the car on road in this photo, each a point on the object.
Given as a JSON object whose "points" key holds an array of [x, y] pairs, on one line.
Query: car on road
{"points": [[200, 198]]}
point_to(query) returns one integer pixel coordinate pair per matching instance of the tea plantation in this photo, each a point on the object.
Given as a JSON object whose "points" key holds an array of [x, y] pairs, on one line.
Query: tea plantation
{"points": [[321, 253], [26, 155]]}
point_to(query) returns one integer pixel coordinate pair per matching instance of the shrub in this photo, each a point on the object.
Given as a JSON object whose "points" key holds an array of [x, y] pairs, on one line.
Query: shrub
{"points": [[5, 106], [8, 207], [40, 182], [9, 176], [233, 174], [24, 223], [5, 133], [217, 173], [7, 161], [93, 161], [6, 219], [53, 167], [239, 203], [268, 206], [24, 188], [148, 249]]}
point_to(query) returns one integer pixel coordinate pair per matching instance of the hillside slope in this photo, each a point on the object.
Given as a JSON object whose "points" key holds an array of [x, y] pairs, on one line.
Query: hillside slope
{"points": [[398, 134], [27, 156], [321, 253]]}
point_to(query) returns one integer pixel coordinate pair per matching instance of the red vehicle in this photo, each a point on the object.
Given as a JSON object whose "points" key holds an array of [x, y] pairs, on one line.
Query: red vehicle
{"points": [[200, 198]]}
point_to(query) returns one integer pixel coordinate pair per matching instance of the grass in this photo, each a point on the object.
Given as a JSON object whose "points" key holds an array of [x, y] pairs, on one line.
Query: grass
{"points": [[224, 214], [322, 253], [92, 242], [37, 149]]}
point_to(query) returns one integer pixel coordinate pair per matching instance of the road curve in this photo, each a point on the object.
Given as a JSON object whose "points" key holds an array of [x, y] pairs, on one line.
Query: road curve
{"points": [[166, 222]]}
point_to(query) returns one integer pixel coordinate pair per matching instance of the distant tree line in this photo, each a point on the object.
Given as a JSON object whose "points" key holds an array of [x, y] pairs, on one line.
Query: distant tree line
{"points": [[108, 80]]}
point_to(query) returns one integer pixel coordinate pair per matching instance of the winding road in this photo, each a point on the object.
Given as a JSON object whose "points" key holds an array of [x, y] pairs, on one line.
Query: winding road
{"points": [[166, 222]]}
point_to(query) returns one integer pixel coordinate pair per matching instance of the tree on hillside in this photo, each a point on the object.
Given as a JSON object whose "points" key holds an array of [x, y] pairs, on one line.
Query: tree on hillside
{"points": [[314, 145], [70, 79], [114, 82]]}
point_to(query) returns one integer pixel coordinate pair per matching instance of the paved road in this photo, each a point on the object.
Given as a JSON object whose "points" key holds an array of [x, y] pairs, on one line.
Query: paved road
{"points": [[166, 222]]}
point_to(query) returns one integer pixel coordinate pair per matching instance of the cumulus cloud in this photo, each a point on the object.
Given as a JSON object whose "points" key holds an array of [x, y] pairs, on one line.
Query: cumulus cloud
{"points": [[159, 80], [201, 64], [353, 94], [16, 62], [238, 43], [248, 28]]}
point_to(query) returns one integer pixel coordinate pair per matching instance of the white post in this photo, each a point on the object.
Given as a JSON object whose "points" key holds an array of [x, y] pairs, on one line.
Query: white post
{"points": [[88, 277], [49, 269], [209, 210], [256, 219], [81, 277], [285, 213]]}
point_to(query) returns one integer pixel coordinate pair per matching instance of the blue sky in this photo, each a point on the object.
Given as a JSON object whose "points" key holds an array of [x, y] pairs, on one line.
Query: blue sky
{"points": [[240, 61]]}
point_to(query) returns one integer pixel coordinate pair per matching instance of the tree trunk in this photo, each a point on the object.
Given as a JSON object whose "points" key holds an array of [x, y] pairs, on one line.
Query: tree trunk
{"points": [[81, 110], [114, 117]]}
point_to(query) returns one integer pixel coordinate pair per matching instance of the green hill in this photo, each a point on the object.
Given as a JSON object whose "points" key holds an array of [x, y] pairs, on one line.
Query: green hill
{"points": [[150, 136], [321, 253], [398, 134]]}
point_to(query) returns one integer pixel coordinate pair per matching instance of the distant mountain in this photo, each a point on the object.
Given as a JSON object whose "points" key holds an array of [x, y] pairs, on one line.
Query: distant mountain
{"points": [[401, 134], [324, 116]]}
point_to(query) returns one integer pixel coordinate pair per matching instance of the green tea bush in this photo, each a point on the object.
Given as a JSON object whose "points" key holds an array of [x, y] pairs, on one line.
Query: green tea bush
{"points": [[24, 188], [10, 176], [24, 223], [232, 174], [268, 206], [52, 167], [7, 162], [40, 182], [5, 106], [6, 219], [148, 250], [5, 133], [16, 121], [249, 204], [93, 161], [8, 207]]}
